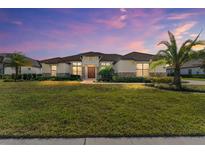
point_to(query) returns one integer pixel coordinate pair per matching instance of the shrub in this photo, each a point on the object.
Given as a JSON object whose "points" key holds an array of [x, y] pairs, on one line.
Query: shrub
{"points": [[106, 73], [74, 77], [8, 80], [161, 79], [42, 78], [194, 76], [6, 76], [58, 78], [130, 79]]}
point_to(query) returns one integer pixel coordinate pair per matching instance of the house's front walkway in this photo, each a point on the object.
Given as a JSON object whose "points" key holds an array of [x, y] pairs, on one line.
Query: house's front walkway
{"points": [[108, 141]]}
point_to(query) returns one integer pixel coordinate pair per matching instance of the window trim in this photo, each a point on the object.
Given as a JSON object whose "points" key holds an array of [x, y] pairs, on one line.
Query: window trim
{"points": [[78, 66], [142, 70], [52, 70]]}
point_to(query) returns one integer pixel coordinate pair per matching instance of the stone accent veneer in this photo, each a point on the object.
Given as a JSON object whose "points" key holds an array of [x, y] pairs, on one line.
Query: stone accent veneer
{"points": [[46, 74], [83, 73], [160, 74], [126, 74], [63, 74]]}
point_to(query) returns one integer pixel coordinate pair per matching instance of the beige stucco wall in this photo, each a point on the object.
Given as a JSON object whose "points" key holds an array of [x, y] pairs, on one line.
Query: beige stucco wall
{"points": [[24, 70], [46, 68], [195, 70], [63, 68], [34, 70], [125, 66], [9, 70]]}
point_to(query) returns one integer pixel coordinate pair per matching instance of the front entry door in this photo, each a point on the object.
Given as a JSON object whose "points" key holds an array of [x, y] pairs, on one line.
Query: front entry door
{"points": [[91, 72]]}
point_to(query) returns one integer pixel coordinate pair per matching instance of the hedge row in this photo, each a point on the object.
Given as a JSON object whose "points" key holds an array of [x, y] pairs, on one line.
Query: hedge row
{"points": [[130, 79], [38, 77]]}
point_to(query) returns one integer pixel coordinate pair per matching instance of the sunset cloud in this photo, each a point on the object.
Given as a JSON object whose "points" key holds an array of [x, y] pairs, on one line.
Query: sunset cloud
{"points": [[61, 32], [18, 23], [181, 16], [123, 10], [183, 29], [137, 45], [116, 22]]}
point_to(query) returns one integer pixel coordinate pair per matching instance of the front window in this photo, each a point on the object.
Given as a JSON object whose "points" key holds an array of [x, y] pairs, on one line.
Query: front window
{"points": [[104, 64], [53, 70], [142, 70], [77, 68]]}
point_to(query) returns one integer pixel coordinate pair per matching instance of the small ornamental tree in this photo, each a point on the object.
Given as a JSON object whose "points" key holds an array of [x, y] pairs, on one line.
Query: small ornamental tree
{"points": [[17, 60], [106, 73]]}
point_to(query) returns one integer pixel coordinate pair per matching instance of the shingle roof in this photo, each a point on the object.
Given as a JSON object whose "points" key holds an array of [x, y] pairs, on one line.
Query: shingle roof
{"points": [[35, 63], [52, 60], [103, 57], [138, 56], [72, 58]]}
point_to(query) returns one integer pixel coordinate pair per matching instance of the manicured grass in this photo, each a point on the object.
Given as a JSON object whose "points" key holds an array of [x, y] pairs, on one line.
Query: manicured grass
{"points": [[70, 109], [195, 79], [197, 87]]}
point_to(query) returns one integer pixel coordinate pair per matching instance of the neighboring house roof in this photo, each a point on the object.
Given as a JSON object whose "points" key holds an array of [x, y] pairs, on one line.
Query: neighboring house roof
{"points": [[193, 63], [137, 56], [6, 59]]}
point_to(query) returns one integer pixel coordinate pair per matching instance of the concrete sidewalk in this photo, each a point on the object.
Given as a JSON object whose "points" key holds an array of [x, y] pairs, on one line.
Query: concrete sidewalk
{"points": [[108, 141]]}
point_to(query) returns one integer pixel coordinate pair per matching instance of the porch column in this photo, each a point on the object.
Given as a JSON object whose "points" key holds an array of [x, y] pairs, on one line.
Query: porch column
{"points": [[83, 72]]}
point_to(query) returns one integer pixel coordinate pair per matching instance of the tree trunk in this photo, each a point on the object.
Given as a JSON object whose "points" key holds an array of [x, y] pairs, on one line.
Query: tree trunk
{"points": [[17, 71], [177, 78]]}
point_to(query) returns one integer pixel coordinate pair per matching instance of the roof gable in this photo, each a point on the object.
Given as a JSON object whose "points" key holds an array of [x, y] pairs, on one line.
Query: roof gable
{"points": [[138, 56]]}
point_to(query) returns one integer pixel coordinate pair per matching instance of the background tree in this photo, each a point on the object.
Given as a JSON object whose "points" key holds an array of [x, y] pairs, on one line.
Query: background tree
{"points": [[203, 65], [1, 65], [17, 60], [175, 57]]}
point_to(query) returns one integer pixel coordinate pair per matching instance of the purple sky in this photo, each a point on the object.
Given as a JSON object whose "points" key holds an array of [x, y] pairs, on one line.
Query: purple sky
{"points": [[46, 33]]}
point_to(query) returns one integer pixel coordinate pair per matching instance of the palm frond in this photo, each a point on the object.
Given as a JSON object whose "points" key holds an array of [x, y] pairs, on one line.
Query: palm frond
{"points": [[156, 63], [166, 43], [186, 48]]}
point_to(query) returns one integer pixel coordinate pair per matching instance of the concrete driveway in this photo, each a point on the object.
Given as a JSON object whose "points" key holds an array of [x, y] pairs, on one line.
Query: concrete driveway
{"points": [[194, 82], [108, 141]]}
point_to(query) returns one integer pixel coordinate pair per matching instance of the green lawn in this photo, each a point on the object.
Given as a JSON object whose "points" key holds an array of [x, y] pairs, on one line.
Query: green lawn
{"points": [[70, 109]]}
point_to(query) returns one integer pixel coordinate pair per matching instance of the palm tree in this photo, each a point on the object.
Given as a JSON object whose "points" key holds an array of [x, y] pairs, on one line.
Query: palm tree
{"points": [[1, 65], [175, 57], [17, 60]]}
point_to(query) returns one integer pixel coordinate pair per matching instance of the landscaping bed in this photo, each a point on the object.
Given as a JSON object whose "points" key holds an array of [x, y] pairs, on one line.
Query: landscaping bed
{"points": [[71, 109]]}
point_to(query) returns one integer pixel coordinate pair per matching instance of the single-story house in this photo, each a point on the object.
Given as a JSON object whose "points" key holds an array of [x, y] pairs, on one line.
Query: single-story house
{"points": [[88, 64], [34, 68], [193, 67]]}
